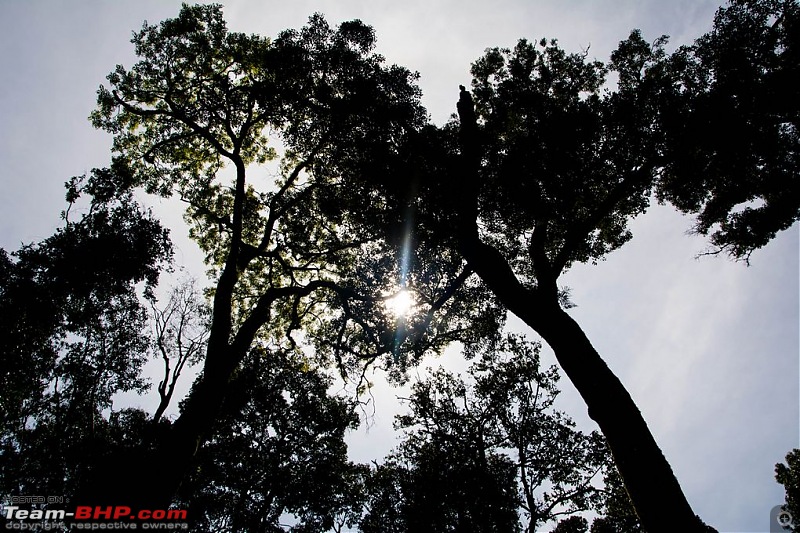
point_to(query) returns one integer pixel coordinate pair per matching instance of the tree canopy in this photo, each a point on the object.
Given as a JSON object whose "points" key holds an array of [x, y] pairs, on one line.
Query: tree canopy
{"points": [[320, 194], [489, 452], [73, 317]]}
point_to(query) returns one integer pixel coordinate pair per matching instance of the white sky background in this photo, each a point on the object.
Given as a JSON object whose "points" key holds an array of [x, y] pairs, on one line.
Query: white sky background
{"points": [[707, 347]]}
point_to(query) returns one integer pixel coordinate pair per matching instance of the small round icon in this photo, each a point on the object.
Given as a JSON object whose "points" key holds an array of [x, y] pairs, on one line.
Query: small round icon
{"points": [[785, 519]]}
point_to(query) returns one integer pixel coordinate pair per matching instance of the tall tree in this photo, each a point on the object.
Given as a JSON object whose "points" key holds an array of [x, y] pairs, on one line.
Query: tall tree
{"points": [[204, 105], [570, 168], [544, 168], [555, 169]]}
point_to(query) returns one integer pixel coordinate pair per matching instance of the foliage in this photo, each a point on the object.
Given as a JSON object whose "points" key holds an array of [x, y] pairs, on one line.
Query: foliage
{"points": [[480, 452], [788, 475], [278, 447], [442, 485], [731, 128], [573, 524], [201, 97], [73, 326], [564, 165]]}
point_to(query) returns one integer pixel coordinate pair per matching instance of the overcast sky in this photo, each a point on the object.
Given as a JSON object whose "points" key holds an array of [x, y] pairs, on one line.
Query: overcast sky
{"points": [[707, 347]]}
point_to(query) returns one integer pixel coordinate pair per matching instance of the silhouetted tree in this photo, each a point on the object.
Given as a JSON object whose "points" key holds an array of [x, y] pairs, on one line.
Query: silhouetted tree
{"points": [[278, 447], [544, 168], [573, 524], [284, 257], [75, 318], [180, 330], [439, 484], [730, 125], [788, 475], [488, 453], [74, 336]]}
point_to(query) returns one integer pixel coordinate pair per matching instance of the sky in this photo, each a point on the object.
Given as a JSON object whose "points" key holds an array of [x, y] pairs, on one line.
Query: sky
{"points": [[707, 347]]}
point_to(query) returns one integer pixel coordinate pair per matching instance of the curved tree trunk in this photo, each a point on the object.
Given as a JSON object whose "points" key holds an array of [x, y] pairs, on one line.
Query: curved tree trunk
{"points": [[654, 491], [648, 477]]}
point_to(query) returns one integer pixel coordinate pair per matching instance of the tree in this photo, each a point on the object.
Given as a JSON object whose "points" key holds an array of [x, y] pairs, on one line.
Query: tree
{"points": [[284, 257], [543, 169], [384, 502], [73, 323], [180, 330], [788, 475], [489, 452], [74, 311], [278, 447], [439, 484], [554, 170]]}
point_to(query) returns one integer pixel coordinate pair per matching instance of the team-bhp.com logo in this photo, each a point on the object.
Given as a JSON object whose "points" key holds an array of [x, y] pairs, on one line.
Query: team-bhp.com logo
{"points": [[95, 518]]}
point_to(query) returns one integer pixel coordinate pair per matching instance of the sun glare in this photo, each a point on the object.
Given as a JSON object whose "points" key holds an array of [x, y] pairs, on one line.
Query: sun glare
{"points": [[401, 304]]}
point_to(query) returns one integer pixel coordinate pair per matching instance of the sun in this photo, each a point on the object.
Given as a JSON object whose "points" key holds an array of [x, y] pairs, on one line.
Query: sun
{"points": [[401, 304]]}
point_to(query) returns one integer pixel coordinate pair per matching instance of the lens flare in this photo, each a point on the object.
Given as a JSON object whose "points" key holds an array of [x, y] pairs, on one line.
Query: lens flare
{"points": [[401, 304]]}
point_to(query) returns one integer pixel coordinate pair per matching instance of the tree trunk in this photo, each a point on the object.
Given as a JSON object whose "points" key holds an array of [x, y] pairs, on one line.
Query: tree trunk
{"points": [[654, 491], [649, 480], [149, 478]]}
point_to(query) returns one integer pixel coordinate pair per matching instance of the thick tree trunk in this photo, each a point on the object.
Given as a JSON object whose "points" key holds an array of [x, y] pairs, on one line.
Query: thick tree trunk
{"points": [[649, 480], [142, 479], [648, 477]]}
